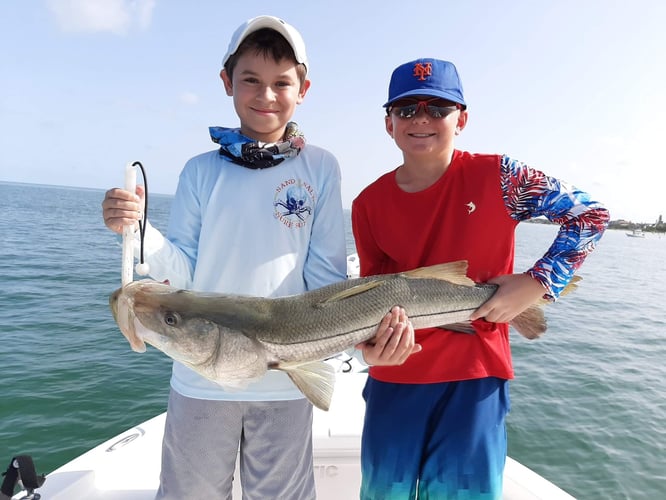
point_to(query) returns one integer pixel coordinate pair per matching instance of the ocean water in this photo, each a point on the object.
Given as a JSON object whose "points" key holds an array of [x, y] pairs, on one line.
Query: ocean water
{"points": [[588, 401]]}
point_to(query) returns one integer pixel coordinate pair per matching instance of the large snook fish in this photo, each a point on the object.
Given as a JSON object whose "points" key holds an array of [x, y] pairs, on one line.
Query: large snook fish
{"points": [[233, 339]]}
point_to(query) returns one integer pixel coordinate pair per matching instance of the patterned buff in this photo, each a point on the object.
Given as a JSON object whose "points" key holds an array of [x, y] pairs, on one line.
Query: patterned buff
{"points": [[254, 154]]}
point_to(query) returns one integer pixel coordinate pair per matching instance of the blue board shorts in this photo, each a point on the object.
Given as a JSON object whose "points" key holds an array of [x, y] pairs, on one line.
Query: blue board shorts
{"points": [[443, 440]]}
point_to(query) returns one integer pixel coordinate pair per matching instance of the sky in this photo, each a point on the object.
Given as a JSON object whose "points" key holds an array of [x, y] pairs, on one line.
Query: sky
{"points": [[575, 88]]}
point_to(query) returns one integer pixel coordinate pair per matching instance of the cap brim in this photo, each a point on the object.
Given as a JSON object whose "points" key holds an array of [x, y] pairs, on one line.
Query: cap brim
{"points": [[428, 92]]}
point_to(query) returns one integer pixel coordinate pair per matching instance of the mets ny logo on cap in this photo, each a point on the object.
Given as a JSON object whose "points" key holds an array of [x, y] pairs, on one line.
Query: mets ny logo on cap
{"points": [[422, 70]]}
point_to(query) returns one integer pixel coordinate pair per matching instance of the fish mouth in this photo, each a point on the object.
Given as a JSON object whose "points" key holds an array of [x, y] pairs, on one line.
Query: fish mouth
{"points": [[123, 312]]}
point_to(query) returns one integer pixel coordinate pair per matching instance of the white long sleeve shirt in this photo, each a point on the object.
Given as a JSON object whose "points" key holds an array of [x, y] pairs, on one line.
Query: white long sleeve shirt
{"points": [[272, 232]]}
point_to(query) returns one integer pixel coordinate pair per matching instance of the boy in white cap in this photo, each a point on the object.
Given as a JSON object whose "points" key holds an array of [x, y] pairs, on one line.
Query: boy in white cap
{"points": [[261, 215], [435, 425]]}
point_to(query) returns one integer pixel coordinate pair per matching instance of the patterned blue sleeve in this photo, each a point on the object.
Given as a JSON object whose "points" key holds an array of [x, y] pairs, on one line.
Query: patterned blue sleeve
{"points": [[529, 193]]}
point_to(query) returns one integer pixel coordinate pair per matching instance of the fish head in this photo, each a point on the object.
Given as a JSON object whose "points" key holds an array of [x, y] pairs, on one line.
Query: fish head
{"points": [[182, 324], [185, 337], [148, 311]]}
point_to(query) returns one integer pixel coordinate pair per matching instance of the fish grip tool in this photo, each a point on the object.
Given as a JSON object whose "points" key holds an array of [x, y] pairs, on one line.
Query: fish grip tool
{"points": [[128, 231], [21, 470]]}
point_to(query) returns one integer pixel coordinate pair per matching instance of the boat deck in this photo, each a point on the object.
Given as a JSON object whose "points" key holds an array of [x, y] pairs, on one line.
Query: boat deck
{"points": [[127, 466]]}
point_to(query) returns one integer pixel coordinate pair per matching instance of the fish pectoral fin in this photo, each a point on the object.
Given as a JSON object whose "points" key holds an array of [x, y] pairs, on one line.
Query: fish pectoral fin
{"points": [[315, 380], [531, 323], [462, 327], [453, 272], [351, 292]]}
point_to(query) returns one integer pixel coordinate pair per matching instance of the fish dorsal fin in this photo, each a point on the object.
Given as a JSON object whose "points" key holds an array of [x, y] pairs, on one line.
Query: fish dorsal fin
{"points": [[453, 272], [315, 380], [355, 290]]}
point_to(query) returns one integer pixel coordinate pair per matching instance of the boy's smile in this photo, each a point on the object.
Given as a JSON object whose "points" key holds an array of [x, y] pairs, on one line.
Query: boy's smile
{"points": [[421, 135], [265, 95]]}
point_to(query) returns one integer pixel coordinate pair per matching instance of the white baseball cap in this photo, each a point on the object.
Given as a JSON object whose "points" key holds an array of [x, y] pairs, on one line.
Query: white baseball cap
{"points": [[286, 30]]}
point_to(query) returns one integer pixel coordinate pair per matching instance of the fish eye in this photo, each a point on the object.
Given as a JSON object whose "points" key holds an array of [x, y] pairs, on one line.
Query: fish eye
{"points": [[171, 318]]}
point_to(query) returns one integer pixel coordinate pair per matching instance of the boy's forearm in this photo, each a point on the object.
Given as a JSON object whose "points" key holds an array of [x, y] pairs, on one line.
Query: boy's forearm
{"points": [[529, 193], [575, 240]]}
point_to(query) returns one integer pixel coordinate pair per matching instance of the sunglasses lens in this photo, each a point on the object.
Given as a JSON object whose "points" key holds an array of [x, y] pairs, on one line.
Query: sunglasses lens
{"points": [[410, 110], [406, 111], [438, 111]]}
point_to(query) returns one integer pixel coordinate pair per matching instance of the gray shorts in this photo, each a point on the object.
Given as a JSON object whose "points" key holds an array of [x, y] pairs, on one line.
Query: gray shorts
{"points": [[202, 439]]}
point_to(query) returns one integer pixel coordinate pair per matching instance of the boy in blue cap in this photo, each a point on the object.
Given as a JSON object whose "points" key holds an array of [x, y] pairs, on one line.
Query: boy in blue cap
{"points": [[444, 408]]}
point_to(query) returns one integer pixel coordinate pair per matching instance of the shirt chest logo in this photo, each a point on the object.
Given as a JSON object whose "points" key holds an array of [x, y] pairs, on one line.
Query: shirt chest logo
{"points": [[293, 202]]}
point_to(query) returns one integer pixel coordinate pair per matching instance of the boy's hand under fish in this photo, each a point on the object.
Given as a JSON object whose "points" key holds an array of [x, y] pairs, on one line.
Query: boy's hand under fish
{"points": [[394, 341]]}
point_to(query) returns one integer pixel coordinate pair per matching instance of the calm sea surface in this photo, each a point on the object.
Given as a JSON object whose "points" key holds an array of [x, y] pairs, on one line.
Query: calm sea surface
{"points": [[588, 401]]}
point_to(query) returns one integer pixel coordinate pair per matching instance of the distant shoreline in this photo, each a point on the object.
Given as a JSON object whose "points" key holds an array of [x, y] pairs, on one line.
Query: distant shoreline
{"points": [[659, 227], [76, 188], [622, 225]]}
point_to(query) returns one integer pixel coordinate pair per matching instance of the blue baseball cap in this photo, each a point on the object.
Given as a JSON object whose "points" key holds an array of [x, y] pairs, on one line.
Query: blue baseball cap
{"points": [[431, 77]]}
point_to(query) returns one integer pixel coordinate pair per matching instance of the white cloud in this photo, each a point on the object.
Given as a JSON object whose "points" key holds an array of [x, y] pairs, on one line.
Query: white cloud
{"points": [[91, 16]]}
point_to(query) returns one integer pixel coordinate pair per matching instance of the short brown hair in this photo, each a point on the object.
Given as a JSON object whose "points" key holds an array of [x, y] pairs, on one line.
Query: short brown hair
{"points": [[268, 43]]}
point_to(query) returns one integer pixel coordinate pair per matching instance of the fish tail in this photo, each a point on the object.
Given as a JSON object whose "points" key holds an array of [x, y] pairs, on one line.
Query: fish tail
{"points": [[531, 323]]}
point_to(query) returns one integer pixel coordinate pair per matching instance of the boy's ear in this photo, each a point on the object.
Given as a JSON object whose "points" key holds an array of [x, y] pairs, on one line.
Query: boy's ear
{"points": [[462, 121], [303, 91], [228, 87], [389, 125]]}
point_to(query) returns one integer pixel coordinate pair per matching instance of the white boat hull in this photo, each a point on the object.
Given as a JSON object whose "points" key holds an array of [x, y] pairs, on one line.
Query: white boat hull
{"points": [[127, 467]]}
